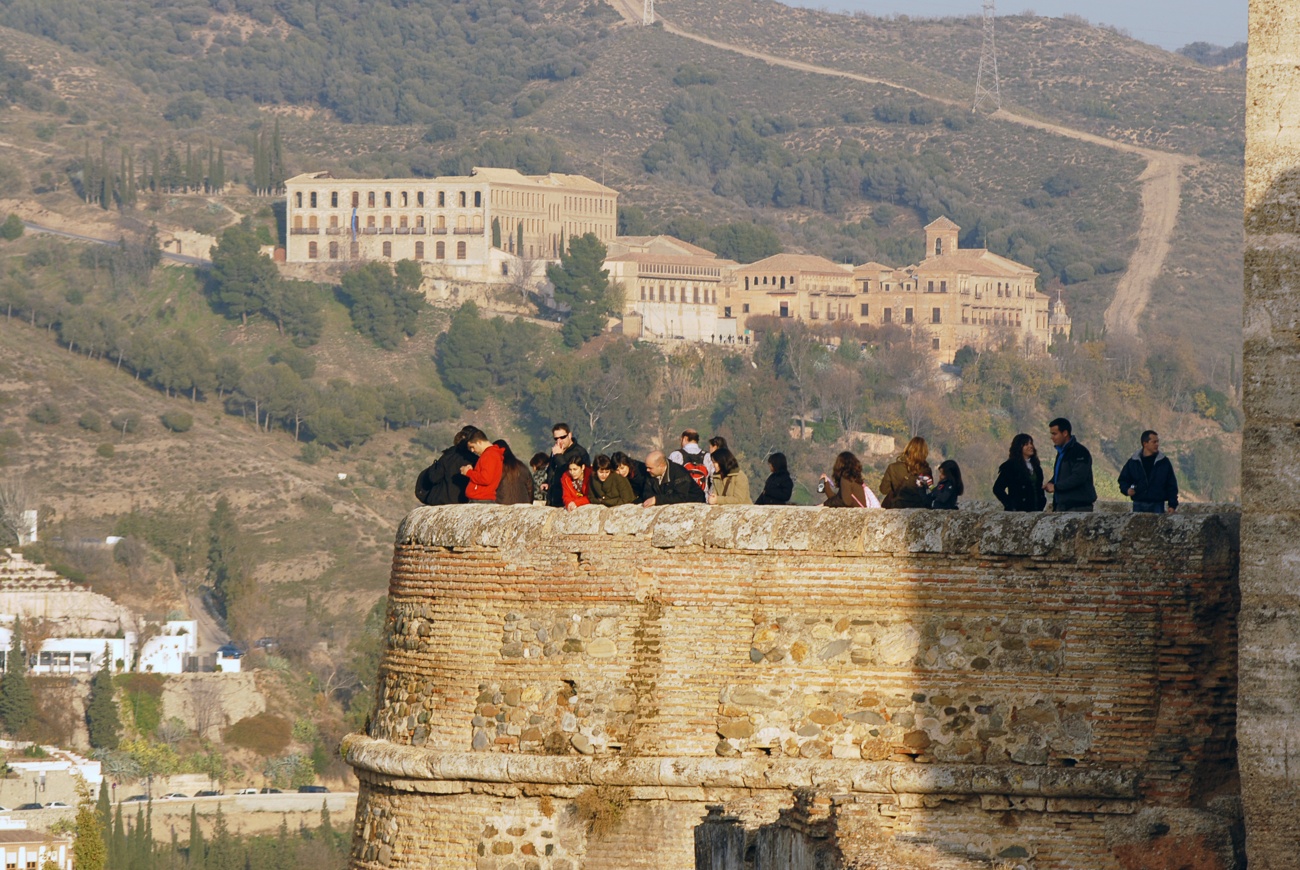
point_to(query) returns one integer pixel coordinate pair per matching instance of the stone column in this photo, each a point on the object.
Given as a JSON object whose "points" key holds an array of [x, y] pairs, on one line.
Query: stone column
{"points": [[1268, 722]]}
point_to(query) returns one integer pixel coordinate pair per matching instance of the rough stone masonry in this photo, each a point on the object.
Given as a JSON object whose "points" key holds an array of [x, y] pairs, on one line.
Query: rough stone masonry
{"points": [[577, 690]]}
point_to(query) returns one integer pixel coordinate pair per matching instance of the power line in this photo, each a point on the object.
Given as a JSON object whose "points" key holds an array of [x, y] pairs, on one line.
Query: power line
{"points": [[987, 89]]}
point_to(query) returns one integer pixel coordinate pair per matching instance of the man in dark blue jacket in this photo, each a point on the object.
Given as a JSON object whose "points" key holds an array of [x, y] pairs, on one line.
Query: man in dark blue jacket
{"points": [[1148, 478], [1071, 486]]}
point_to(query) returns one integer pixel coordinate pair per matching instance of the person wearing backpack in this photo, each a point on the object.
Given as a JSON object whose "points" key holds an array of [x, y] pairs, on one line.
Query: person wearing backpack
{"points": [[669, 483], [696, 461]]}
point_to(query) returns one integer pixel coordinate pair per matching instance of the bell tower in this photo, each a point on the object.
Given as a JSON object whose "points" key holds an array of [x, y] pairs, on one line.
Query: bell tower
{"points": [[941, 238]]}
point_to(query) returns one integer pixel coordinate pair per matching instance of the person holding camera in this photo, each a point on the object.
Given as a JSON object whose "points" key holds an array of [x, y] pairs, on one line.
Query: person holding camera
{"points": [[908, 478], [847, 487]]}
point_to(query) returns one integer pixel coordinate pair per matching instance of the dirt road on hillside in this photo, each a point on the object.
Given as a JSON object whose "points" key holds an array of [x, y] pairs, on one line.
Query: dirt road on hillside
{"points": [[1161, 181]]}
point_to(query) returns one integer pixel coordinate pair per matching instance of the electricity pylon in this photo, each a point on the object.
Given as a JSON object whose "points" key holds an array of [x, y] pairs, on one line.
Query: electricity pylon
{"points": [[648, 15], [986, 85]]}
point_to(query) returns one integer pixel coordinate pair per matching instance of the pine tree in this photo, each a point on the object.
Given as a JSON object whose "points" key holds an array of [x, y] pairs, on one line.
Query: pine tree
{"points": [[17, 706]]}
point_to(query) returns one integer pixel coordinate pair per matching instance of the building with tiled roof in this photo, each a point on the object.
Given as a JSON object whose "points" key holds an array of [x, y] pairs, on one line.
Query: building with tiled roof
{"points": [[799, 286], [672, 289], [961, 297]]}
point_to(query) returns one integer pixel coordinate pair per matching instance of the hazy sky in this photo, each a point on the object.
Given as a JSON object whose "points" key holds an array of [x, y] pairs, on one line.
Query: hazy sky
{"points": [[1168, 23]]}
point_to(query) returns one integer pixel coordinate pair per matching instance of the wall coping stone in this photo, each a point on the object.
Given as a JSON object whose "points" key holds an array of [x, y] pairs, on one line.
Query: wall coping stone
{"points": [[379, 757], [1098, 536]]}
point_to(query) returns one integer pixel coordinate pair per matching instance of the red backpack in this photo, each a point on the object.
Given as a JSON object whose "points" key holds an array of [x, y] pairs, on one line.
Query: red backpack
{"points": [[694, 464]]}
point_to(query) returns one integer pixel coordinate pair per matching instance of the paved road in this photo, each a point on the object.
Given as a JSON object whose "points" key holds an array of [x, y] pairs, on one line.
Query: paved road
{"points": [[175, 258]]}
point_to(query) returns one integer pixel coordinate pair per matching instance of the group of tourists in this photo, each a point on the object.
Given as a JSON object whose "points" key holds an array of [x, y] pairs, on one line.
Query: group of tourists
{"points": [[475, 469]]}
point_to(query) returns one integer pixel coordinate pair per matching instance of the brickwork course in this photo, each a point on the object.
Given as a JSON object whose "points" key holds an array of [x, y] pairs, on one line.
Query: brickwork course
{"points": [[1270, 573], [693, 686]]}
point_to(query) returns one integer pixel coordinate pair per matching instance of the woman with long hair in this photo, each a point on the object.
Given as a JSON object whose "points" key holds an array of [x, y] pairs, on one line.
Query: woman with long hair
{"points": [[516, 485], [779, 486], [731, 485], [1020, 479], [949, 486], [848, 489], [908, 478]]}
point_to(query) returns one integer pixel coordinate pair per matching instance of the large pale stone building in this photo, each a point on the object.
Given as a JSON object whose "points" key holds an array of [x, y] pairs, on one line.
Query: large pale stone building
{"points": [[960, 296], [466, 225], [672, 289]]}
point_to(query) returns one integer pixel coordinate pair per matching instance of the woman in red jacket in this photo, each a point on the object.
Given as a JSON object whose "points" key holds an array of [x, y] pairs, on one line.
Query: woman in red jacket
{"points": [[575, 487], [484, 475]]}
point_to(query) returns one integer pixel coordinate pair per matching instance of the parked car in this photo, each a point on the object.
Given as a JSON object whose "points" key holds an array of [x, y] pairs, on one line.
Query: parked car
{"points": [[230, 651], [209, 792], [247, 791], [266, 643], [56, 805], [30, 806], [270, 791], [312, 789], [174, 796], [135, 798]]}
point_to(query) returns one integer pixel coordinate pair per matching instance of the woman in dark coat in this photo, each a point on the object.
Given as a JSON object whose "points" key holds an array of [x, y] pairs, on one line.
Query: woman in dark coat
{"points": [[779, 486], [848, 489], [516, 485], [1020, 479]]}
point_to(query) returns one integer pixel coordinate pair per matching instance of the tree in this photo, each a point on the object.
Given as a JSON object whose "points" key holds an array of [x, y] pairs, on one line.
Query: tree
{"points": [[17, 706], [243, 279], [101, 709], [197, 851], [12, 228], [582, 286], [227, 568], [14, 498], [89, 850], [385, 304]]}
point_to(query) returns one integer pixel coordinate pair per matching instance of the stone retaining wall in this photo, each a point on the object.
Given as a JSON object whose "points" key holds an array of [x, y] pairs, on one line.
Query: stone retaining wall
{"points": [[575, 690]]}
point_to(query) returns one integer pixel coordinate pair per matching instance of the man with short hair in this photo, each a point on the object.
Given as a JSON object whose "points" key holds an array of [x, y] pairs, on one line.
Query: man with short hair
{"points": [[694, 459], [669, 483], [564, 450], [485, 474], [1071, 486], [1148, 478], [442, 482]]}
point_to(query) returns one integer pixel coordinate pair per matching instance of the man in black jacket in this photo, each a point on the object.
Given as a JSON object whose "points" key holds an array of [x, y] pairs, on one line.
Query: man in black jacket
{"points": [[1148, 478], [1071, 486], [442, 482], [564, 451], [669, 483]]}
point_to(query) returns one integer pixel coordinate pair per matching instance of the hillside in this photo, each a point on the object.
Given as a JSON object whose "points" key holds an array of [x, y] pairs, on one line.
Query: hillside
{"points": [[845, 135]]}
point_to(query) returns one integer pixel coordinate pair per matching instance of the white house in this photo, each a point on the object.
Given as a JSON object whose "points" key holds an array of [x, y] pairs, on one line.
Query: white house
{"points": [[34, 849], [166, 653]]}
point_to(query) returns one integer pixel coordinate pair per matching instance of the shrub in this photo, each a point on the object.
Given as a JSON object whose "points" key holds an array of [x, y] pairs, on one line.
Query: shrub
{"points": [[91, 422], [143, 694], [105, 450], [12, 228], [601, 808], [127, 422], [1077, 272], [266, 734], [47, 413], [177, 421]]}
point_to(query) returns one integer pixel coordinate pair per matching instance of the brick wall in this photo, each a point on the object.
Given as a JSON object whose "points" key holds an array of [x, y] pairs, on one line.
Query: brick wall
{"points": [[990, 686]]}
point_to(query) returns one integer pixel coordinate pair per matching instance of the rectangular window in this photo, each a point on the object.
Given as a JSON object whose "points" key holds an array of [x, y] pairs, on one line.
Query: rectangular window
{"points": [[866, 309], [440, 251], [726, 312], [888, 316], [419, 197], [943, 286], [478, 198], [929, 287], [442, 198], [334, 199], [370, 199], [907, 315], [934, 344], [744, 309], [311, 250], [297, 199], [461, 250], [388, 199], [934, 315], [313, 199], [419, 250], [388, 249], [334, 250], [356, 198]]}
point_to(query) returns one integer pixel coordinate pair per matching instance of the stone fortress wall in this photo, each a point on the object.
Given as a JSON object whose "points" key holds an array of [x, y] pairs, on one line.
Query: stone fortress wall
{"points": [[565, 690]]}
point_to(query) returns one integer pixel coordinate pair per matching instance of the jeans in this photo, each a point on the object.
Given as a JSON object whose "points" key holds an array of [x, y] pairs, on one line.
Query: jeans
{"points": [[1078, 509], [1148, 507]]}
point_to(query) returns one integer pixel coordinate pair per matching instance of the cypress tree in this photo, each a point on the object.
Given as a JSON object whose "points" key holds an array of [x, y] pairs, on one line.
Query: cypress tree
{"points": [[87, 175], [122, 178], [117, 852], [17, 706], [101, 710], [131, 188], [89, 849], [195, 855], [519, 241], [219, 177], [277, 160]]}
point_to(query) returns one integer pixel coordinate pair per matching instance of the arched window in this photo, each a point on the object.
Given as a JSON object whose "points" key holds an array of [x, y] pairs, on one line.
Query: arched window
{"points": [[297, 199], [388, 221], [311, 222], [370, 221], [356, 198], [370, 199], [419, 250], [297, 222], [388, 199], [312, 199], [334, 221], [440, 251], [388, 249], [442, 198], [311, 250], [419, 220], [478, 198], [402, 196], [938, 247], [419, 197], [462, 199], [401, 221], [334, 250], [461, 250]]}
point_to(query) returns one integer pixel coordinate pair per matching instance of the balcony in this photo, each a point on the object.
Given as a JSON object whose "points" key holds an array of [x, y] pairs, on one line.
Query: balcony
{"points": [[467, 231], [385, 231], [419, 231], [370, 231], [439, 231], [305, 231], [403, 231]]}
